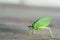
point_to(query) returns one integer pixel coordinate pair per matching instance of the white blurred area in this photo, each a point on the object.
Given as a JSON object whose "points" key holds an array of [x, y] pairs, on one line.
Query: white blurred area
{"points": [[40, 3], [43, 3], [10, 1]]}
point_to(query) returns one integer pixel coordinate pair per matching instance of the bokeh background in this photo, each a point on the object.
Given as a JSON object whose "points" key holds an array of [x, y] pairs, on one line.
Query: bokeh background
{"points": [[17, 15]]}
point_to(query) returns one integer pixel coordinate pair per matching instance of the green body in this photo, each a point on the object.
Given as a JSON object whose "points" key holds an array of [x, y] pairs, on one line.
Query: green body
{"points": [[41, 23]]}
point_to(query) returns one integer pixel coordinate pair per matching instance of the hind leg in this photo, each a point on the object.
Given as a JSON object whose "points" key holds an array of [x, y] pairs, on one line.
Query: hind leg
{"points": [[48, 28], [52, 35]]}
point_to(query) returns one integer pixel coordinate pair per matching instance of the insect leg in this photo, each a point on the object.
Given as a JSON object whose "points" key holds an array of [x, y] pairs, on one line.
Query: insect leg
{"points": [[30, 32], [34, 32], [50, 31], [41, 35]]}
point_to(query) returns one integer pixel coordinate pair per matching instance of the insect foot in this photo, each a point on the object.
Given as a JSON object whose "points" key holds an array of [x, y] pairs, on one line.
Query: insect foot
{"points": [[34, 33]]}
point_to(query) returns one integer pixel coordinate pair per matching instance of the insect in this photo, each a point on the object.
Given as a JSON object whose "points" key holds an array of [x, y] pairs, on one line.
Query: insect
{"points": [[41, 23]]}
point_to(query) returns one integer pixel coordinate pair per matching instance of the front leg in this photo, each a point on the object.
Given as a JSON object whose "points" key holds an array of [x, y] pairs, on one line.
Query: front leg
{"points": [[30, 32]]}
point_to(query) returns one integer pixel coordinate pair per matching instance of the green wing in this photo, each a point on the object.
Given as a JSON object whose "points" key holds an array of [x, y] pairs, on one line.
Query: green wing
{"points": [[42, 22], [36, 21]]}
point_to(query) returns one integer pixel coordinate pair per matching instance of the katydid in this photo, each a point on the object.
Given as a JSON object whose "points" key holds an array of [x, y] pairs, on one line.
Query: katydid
{"points": [[41, 23]]}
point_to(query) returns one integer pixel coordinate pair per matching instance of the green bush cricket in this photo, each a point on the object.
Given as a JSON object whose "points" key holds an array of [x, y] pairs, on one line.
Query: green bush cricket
{"points": [[41, 23]]}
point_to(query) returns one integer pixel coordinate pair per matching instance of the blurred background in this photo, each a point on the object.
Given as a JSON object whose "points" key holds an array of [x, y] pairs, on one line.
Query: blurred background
{"points": [[17, 15], [29, 8]]}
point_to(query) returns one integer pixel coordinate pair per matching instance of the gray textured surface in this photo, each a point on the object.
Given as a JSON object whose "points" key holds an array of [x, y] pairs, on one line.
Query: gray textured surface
{"points": [[11, 29]]}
